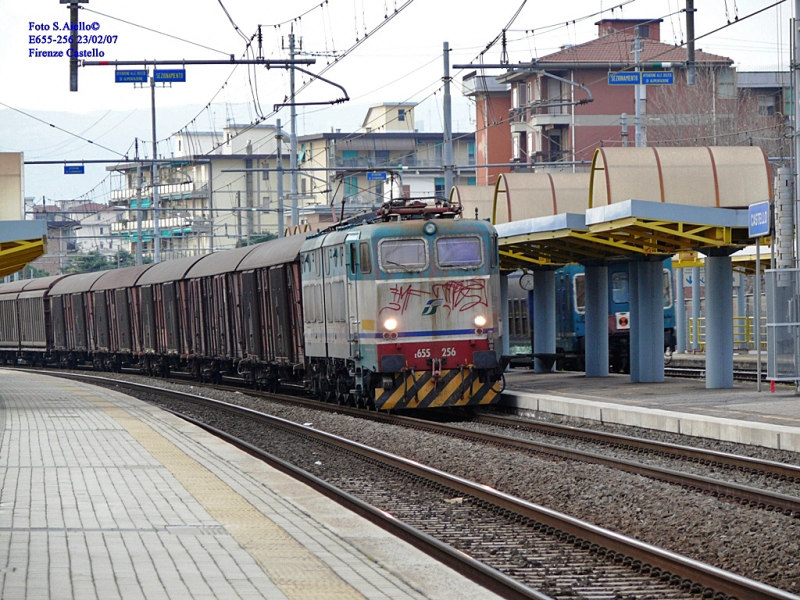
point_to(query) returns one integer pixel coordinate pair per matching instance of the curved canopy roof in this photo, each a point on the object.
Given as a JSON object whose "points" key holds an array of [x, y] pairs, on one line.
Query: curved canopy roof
{"points": [[715, 177], [521, 196]]}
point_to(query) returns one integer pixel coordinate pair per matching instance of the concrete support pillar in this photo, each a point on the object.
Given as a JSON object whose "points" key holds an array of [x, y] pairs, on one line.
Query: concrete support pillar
{"points": [[651, 322], [544, 317], [596, 321], [680, 313], [633, 300], [696, 309], [719, 322], [504, 313]]}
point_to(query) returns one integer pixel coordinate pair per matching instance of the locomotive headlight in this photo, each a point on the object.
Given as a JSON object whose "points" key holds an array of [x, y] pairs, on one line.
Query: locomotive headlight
{"points": [[390, 324], [429, 228], [480, 321]]}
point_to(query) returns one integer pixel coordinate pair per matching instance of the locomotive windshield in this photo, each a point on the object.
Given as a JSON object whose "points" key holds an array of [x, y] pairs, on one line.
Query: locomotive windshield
{"points": [[459, 252], [403, 255]]}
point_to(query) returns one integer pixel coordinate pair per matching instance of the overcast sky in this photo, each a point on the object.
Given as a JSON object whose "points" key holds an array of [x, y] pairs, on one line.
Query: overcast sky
{"points": [[399, 62]]}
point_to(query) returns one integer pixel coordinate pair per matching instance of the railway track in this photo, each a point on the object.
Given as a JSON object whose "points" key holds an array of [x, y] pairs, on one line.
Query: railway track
{"points": [[700, 373], [533, 547], [744, 494]]}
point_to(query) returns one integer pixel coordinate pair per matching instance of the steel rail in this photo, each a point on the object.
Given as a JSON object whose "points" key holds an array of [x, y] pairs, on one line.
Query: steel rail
{"points": [[763, 499], [576, 531], [744, 463]]}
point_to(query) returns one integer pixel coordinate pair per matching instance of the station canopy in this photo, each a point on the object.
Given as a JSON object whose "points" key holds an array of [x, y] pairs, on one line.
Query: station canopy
{"points": [[634, 202]]}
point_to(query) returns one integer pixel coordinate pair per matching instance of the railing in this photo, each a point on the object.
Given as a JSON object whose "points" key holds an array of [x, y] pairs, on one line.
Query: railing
{"points": [[744, 332], [164, 189]]}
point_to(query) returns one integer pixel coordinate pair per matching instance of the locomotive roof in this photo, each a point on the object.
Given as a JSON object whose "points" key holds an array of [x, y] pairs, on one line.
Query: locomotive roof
{"points": [[120, 278], [225, 261], [273, 252], [169, 270], [75, 284]]}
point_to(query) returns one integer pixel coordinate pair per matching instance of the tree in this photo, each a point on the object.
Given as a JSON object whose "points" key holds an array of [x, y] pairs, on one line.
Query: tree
{"points": [[31, 272], [94, 261], [712, 113]]}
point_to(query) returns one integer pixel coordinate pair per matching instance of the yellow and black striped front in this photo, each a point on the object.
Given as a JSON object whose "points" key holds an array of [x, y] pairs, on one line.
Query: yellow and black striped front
{"points": [[456, 387]]}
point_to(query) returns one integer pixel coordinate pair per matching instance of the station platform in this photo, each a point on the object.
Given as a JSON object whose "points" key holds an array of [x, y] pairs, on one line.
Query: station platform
{"points": [[740, 414], [105, 496]]}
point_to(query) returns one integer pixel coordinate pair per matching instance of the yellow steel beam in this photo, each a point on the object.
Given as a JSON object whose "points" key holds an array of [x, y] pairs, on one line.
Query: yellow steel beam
{"points": [[15, 255]]}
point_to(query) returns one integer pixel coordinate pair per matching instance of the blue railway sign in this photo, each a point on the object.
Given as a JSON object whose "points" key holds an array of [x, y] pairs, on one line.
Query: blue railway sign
{"points": [[131, 76], [759, 222], [658, 77], [169, 75], [623, 78], [376, 175], [73, 169]]}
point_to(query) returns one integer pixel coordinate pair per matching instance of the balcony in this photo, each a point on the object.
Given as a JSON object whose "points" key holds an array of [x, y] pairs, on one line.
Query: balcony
{"points": [[172, 191], [369, 162], [539, 114]]}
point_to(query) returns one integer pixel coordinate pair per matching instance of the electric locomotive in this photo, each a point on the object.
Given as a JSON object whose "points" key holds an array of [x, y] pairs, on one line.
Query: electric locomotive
{"points": [[404, 311]]}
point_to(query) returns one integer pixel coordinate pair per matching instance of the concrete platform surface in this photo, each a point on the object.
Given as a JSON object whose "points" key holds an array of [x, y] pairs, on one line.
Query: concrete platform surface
{"points": [[740, 414], [104, 496]]}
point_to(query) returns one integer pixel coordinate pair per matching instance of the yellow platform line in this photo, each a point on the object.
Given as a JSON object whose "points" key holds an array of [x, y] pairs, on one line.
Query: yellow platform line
{"points": [[291, 566]]}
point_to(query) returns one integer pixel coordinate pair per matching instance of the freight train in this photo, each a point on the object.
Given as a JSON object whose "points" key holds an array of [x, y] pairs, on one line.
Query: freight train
{"points": [[571, 318], [396, 309]]}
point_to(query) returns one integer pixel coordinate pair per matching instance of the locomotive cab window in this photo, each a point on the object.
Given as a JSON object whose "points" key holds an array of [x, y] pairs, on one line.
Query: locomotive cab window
{"points": [[462, 252], [366, 258], [403, 255]]}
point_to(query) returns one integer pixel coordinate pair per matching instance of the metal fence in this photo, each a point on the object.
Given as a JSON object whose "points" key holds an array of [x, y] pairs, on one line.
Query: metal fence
{"points": [[783, 324], [744, 333]]}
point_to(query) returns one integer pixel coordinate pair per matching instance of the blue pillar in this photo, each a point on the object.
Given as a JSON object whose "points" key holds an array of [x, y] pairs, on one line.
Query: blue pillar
{"points": [[719, 322], [649, 323], [633, 301], [504, 312], [596, 321], [696, 309], [544, 317], [680, 313]]}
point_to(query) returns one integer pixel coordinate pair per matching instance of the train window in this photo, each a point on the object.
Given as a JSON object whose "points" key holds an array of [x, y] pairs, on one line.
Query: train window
{"points": [[619, 287], [459, 252], [353, 259], [579, 292], [403, 255], [667, 289], [366, 258]]}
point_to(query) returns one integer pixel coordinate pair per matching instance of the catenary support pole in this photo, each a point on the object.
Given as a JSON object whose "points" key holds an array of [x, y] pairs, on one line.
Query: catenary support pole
{"points": [[596, 321], [156, 232], [447, 150], [719, 323], [293, 135], [544, 317], [139, 214], [281, 224]]}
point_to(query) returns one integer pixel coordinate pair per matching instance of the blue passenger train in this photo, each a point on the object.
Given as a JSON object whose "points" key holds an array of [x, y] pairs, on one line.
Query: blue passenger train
{"points": [[571, 319]]}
